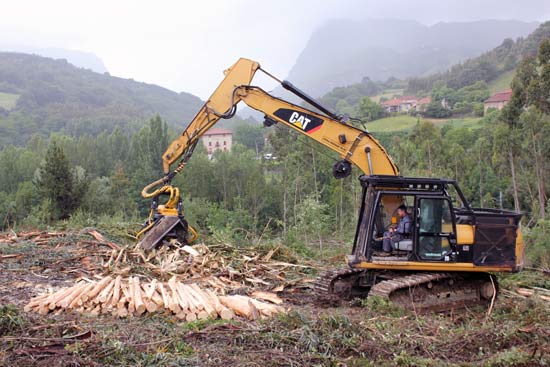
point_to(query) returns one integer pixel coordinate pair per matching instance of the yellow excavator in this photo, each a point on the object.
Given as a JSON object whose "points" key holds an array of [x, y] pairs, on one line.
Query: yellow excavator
{"points": [[445, 261]]}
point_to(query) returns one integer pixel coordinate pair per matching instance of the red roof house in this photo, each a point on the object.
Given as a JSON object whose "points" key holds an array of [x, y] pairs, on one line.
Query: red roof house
{"points": [[400, 104], [497, 100], [218, 131], [423, 103]]}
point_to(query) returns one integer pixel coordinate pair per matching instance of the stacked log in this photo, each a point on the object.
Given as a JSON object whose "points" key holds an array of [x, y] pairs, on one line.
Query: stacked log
{"points": [[132, 297], [249, 307]]}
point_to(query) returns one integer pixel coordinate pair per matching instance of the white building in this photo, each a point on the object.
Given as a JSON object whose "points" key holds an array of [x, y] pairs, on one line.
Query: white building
{"points": [[217, 139]]}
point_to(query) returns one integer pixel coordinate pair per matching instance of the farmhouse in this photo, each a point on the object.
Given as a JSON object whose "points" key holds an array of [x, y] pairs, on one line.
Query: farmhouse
{"points": [[497, 100], [217, 139], [423, 103], [400, 104]]}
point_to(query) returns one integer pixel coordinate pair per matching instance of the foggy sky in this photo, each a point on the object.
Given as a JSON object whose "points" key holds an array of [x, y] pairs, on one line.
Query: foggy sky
{"points": [[185, 45]]}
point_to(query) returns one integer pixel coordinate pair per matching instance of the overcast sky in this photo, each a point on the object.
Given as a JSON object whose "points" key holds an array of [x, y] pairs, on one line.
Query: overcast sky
{"points": [[184, 45]]}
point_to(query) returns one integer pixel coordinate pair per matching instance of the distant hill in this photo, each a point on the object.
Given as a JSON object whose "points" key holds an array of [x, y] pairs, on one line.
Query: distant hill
{"points": [[344, 52], [494, 67], [81, 59], [40, 95]]}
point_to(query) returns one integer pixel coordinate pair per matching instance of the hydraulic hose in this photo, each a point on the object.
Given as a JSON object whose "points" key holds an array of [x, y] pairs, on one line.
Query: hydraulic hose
{"points": [[174, 196], [172, 191]]}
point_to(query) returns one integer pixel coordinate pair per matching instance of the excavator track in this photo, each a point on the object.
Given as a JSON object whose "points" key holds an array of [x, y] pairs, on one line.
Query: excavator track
{"points": [[420, 292], [336, 284], [387, 287], [436, 292]]}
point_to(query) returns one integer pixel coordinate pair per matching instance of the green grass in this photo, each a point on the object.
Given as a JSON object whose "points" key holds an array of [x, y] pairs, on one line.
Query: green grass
{"points": [[8, 100], [392, 123], [406, 122], [502, 82], [469, 122]]}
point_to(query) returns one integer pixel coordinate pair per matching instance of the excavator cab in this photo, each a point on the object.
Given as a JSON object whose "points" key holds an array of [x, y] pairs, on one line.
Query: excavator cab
{"points": [[440, 232], [430, 236]]}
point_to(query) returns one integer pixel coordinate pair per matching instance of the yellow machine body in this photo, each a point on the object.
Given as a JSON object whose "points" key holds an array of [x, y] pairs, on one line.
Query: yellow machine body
{"points": [[355, 146]]}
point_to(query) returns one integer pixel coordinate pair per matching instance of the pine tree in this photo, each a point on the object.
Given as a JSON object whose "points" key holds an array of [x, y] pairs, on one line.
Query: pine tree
{"points": [[56, 183], [157, 142]]}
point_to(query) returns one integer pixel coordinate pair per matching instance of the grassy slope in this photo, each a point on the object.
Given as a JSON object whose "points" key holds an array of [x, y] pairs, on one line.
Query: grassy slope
{"points": [[392, 123], [502, 82], [406, 122], [8, 100]]}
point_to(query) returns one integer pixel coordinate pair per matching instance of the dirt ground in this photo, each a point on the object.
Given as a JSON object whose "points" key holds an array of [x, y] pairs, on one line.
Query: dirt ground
{"points": [[362, 333]]}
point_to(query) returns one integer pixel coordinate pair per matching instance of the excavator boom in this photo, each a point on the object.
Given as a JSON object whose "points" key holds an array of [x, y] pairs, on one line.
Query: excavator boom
{"points": [[221, 102], [352, 144]]}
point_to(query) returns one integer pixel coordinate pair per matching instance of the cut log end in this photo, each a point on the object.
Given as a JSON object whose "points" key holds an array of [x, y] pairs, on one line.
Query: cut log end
{"points": [[127, 298]]}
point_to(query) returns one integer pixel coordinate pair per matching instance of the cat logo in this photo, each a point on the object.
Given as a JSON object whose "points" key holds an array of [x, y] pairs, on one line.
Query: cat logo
{"points": [[304, 121], [299, 120]]}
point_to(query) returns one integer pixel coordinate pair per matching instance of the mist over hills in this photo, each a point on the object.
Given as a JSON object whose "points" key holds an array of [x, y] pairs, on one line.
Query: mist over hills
{"points": [[81, 59], [487, 67], [41, 95], [494, 67], [343, 52]]}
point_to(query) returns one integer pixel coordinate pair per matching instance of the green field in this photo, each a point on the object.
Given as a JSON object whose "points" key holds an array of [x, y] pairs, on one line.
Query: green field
{"points": [[8, 100], [392, 123], [469, 122], [502, 82], [406, 122]]}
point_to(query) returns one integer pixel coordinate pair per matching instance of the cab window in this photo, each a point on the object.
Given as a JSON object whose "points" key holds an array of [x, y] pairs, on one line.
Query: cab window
{"points": [[435, 228]]}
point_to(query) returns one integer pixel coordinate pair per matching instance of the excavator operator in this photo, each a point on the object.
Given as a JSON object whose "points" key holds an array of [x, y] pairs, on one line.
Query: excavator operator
{"points": [[402, 231]]}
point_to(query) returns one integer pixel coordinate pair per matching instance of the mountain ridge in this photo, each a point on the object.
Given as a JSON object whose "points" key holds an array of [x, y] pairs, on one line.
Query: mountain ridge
{"points": [[81, 59]]}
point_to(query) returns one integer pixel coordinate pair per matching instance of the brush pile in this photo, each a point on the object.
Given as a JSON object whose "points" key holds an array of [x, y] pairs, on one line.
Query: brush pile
{"points": [[219, 266], [131, 297], [223, 266]]}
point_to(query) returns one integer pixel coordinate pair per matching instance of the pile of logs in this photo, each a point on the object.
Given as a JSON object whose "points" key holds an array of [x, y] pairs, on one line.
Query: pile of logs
{"points": [[37, 237], [131, 297]]}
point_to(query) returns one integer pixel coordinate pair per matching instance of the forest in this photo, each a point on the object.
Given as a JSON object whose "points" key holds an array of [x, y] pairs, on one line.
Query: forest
{"points": [[84, 180], [40, 96]]}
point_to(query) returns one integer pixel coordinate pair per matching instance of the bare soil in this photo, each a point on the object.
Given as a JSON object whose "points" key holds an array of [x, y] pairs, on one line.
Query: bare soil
{"points": [[517, 333]]}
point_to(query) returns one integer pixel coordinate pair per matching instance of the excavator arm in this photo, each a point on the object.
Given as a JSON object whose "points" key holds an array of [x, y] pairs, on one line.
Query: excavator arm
{"points": [[355, 146], [352, 144], [220, 103]]}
